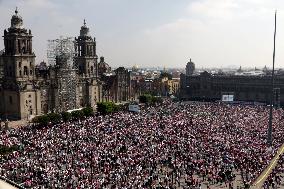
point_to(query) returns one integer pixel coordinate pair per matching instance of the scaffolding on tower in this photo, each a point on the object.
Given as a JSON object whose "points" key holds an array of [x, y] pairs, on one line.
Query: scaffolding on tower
{"points": [[61, 53], [57, 47]]}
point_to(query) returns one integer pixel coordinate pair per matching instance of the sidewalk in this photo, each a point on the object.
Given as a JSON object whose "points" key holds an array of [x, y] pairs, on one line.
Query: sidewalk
{"points": [[16, 124], [5, 185]]}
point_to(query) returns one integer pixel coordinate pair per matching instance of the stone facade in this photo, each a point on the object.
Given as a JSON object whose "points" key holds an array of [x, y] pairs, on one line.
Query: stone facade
{"points": [[244, 88], [27, 89], [19, 95], [117, 87]]}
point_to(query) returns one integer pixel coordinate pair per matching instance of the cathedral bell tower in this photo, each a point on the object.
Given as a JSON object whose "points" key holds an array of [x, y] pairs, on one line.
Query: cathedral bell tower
{"points": [[85, 61], [86, 58], [18, 64], [19, 57]]}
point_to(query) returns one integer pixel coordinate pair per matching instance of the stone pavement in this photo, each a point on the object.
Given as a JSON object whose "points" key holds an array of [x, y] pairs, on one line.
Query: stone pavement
{"points": [[5, 185], [260, 180], [15, 124]]}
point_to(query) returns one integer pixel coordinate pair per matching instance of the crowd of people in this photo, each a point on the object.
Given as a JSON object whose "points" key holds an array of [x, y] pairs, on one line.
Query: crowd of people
{"points": [[274, 180], [172, 145]]}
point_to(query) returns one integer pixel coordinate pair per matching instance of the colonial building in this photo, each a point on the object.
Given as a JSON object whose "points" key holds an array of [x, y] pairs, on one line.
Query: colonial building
{"points": [[19, 95], [249, 88], [117, 86], [27, 89]]}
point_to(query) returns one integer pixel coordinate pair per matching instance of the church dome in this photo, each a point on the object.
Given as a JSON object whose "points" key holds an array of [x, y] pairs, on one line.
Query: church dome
{"points": [[103, 66], [135, 68], [84, 30], [16, 21]]}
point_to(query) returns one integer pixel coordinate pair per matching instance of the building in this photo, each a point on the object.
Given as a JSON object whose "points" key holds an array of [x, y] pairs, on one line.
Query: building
{"points": [[74, 81], [19, 94], [248, 88], [190, 68], [117, 86]]}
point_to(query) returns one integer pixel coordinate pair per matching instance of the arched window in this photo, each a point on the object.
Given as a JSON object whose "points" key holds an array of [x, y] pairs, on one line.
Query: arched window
{"points": [[20, 72]]}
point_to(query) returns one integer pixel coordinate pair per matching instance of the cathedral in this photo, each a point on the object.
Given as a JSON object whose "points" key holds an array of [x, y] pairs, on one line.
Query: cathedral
{"points": [[27, 89]]}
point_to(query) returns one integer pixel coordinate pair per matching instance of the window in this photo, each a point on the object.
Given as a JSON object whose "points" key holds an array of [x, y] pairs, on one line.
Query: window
{"points": [[20, 64], [20, 72], [30, 64], [31, 72], [25, 70], [10, 99], [30, 96]]}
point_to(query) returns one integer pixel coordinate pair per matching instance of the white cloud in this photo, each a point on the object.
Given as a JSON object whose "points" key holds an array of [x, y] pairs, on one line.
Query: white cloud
{"points": [[217, 9], [220, 33]]}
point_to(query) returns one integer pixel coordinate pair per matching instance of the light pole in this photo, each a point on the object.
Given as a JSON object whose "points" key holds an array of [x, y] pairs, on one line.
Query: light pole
{"points": [[269, 132]]}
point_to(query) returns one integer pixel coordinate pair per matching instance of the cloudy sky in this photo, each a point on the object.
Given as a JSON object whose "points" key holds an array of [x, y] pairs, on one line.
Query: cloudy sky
{"points": [[214, 33]]}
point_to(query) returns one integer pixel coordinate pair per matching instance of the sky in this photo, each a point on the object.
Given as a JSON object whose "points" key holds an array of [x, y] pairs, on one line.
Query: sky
{"points": [[164, 33]]}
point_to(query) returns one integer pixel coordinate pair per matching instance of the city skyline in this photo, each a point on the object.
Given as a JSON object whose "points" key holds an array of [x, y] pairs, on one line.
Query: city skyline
{"points": [[223, 33]]}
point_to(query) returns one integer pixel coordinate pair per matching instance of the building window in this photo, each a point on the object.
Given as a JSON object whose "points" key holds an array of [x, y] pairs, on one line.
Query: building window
{"points": [[31, 72], [25, 70], [10, 99], [20, 72], [30, 96], [30, 64], [20, 64]]}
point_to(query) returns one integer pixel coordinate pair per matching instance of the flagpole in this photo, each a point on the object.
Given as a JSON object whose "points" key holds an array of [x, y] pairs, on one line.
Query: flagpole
{"points": [[269, 132]]}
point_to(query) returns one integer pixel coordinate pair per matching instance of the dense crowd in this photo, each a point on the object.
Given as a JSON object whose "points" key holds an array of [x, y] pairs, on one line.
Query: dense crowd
{"points": [[173, 145], [274, 180]]}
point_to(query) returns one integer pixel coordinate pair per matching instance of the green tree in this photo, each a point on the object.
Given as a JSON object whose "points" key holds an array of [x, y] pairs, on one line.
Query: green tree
{"points": [[66, 116], [77, 114], [106, 107], [88, 111], [54, 117], [42, 120], [146, 98]]}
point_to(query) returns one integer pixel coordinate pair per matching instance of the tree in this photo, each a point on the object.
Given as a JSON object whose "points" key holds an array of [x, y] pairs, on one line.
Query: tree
{"points": [[77, 114], [66, 116], [106, 107], [88, 111], [146, 98], [41, 120], [54, 117]]}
